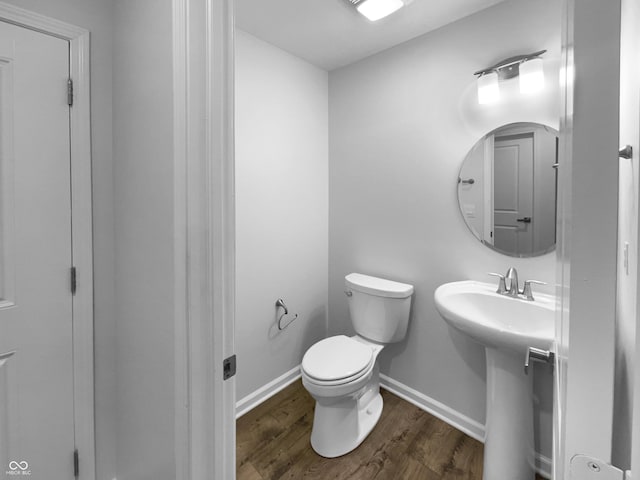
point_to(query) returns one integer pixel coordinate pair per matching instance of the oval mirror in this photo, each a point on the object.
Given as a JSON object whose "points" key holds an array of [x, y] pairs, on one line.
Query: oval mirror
{"points": [[507, 189]]}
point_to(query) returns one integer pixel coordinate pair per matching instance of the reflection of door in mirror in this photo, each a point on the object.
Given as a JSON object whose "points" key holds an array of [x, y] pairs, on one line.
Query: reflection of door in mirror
{"points": [[524, 189], [513, 193], [507, 189]]}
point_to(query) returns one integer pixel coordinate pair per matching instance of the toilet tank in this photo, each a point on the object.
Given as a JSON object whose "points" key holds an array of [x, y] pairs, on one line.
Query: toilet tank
{"points": [[379, 308]]}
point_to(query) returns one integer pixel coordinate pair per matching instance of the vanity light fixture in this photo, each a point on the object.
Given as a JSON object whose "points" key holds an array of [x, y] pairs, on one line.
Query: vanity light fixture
{"points": [[377, 9], [528, 67]]}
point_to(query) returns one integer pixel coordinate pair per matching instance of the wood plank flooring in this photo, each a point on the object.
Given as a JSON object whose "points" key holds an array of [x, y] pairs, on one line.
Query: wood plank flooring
{"points": [[407, 443]]}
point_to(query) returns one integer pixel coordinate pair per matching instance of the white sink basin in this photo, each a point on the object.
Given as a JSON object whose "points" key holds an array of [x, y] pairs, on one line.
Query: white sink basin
{"points": [[497, 321], [507, 327]]}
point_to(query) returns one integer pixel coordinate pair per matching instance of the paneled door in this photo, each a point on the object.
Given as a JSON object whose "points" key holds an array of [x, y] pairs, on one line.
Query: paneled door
{"points": [[513, 193], [36, 315]]}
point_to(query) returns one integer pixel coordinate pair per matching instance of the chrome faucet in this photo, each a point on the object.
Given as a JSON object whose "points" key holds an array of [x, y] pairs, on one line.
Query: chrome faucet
{"points": [[514, 288]]}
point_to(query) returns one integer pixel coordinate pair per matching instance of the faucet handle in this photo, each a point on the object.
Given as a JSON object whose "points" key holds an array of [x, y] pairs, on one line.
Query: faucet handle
{"points": [[502, 286], [526, 290]]}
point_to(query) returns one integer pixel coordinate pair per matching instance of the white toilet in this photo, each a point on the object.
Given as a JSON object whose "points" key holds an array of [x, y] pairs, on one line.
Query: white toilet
{"points": [[341, 372]]}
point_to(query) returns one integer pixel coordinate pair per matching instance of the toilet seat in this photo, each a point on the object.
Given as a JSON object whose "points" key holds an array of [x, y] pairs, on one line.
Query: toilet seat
{"points": [[337, 360]]}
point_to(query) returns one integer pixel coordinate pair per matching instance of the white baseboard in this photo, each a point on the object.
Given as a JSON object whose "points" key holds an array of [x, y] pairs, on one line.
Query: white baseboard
{"points": [[267, 391], [447, 414], [543, 465]]}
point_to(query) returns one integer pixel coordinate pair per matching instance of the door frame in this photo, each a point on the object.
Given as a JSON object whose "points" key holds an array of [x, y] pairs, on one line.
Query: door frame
{"points": [[586, 290], [204, 235], [81, 230], [203, 68]]}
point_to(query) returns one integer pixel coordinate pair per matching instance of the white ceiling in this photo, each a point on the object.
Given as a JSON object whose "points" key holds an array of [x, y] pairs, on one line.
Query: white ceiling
{"points": [[331, 34]]}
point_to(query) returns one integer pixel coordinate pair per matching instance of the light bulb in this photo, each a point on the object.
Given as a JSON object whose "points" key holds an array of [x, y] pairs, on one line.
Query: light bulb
{"points": [[488, 89], [531, 76]]}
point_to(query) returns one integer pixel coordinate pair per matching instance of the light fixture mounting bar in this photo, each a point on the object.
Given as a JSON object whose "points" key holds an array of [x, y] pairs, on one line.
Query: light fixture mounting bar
{"points": [[507, 62]]}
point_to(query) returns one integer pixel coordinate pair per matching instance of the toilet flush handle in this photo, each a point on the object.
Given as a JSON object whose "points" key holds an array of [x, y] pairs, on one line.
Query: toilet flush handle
{"points": [[348, 293]]}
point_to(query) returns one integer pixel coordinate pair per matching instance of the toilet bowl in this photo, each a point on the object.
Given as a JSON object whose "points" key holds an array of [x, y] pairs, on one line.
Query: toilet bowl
{"points": [[348, 402], [341, 373]]}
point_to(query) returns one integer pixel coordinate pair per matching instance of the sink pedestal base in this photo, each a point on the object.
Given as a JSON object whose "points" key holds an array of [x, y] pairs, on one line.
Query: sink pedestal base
{"points": [[508, 448]]}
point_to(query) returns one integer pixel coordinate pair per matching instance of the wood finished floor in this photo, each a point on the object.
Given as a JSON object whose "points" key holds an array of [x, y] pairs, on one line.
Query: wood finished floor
{"points": [[407, 443]]}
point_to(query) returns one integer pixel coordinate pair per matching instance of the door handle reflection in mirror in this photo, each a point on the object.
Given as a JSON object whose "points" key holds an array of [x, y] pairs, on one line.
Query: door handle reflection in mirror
{"points": [[524, 219]]}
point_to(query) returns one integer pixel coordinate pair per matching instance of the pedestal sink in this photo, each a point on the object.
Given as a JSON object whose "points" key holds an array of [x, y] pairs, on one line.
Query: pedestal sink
{"points": [[507, 327]]}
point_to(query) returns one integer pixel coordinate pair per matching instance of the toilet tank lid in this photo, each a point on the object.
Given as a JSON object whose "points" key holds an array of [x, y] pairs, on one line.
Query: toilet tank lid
{"points": [[377, 286]]}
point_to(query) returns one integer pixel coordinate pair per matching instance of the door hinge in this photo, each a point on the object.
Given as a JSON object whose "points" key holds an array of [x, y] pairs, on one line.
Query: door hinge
{"points": [[70, 92], [74, 280], [76, 463], [229, 367]]}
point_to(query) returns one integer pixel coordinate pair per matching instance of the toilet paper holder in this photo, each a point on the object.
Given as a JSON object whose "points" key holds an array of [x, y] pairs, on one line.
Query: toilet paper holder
{"points": [[280, 304]]}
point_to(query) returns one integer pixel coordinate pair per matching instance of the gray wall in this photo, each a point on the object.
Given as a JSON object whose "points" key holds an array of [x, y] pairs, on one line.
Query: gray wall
{"points": [[143, 152], [281, 209], [401, 122]]}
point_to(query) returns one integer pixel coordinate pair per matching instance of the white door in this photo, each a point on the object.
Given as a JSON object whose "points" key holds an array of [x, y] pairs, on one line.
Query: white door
{"points": [[513, 193], [36, 380]]}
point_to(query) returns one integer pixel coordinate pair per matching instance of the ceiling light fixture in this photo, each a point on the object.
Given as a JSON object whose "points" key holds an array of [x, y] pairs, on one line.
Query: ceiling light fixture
{"points": [[376, 9], [528, 67]]}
